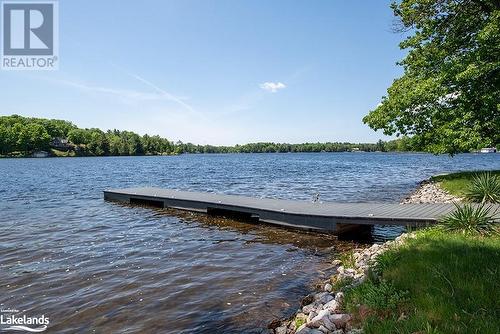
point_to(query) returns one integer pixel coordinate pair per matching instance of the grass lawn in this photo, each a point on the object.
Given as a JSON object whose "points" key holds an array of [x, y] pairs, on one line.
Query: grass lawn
{"points": [[439, 282], [457, 183], [59, 153]]}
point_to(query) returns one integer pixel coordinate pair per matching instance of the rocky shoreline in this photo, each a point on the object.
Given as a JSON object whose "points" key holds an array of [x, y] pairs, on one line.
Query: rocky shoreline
{"points": [[323, 312], [429, 191]]}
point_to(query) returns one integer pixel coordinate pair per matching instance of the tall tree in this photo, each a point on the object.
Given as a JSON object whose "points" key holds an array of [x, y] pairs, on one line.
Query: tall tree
{"points": [[449, 96]]}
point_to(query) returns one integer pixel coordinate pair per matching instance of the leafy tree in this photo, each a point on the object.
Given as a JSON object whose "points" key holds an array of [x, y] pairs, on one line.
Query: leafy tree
{"points": [[33, 137], [449, 95], [79, 136]]}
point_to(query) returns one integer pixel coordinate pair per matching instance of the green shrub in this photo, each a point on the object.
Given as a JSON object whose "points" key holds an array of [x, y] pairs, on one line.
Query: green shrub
{"points": [[348, 260], [381, 297], [484, 187], [469, 219], [385, 260], [340, 283], [299, 322]]}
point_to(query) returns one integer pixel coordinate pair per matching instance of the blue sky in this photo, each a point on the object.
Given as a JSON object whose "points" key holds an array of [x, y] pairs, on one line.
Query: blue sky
{"points": [[218, 72]]}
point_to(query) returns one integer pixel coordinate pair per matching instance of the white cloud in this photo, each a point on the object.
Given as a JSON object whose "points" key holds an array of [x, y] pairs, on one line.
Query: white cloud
{"points": [[272, 87]]}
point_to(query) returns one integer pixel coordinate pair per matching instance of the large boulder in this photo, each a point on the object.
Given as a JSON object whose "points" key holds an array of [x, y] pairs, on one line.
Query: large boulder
{"points": [[322, 319]]}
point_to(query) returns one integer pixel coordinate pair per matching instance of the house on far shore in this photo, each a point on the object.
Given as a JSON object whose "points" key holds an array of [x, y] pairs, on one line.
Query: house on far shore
{"points": [[489, 150], [40, 154], [61, 144]]}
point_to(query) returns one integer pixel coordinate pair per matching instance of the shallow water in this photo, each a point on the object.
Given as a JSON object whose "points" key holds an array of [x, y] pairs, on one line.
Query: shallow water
{"points": [[93, 266]]}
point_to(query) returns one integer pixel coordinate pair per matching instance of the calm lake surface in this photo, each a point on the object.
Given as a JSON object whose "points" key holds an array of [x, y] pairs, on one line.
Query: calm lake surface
{"points": [[98, 267]]}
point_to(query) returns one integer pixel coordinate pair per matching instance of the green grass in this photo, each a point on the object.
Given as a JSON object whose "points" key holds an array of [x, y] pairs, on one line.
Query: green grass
{"points": [[458, 183], [299, 322], [347, 259], [339, 284], [58, 153], [440, 282]]}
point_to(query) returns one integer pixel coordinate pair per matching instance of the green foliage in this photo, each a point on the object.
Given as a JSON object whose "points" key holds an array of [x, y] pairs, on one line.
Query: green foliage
{"points": [[299, 322], [385, 260], [469, 219], [447, 99], [340, 283], [485, 187], [348, 260], [16, 135], [458, 183], [453, 284], [23, 134], [381, 297]]}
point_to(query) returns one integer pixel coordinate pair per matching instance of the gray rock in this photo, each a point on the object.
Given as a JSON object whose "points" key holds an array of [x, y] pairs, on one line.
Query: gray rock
{"points": [[340, 320], [301, 316], [322, 319], [350, 271], [323, 329], [308, 308], [306, 330], [332, 305], [328, 287], [323, 297], [355, 331], [320, 295], [311, 315], [280, 330], [339, 297], [302, 329]]}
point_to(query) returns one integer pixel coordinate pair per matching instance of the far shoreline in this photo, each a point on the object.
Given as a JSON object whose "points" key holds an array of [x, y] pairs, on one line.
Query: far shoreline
{"points": [[29, 156]]}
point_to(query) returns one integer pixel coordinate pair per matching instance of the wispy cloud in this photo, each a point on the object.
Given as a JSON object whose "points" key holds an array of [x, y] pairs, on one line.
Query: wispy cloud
{"points": [[272, 87], [127, 94], [157, 93], [162, 92]]}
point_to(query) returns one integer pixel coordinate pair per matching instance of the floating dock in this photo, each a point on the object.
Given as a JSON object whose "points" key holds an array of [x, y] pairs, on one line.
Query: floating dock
{"points": [[319, 216]]}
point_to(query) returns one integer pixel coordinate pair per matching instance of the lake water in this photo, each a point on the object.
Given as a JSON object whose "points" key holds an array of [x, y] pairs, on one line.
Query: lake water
{"points": [[93, 266]]}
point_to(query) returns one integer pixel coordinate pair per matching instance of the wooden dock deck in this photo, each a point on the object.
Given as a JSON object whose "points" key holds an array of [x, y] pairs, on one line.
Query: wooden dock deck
{"points": [[322, 216]]}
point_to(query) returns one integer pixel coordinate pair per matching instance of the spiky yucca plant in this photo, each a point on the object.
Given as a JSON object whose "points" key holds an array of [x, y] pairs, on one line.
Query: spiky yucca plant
{"points": [[470, 219], [484, 188]]}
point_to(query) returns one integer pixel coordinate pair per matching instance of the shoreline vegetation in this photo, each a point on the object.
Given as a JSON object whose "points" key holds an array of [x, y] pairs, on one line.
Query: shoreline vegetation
{"points": [[440, 279], [24, 136]]}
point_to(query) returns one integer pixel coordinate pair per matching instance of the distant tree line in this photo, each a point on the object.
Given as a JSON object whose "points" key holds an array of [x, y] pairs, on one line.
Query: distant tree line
{"points": [[402, 144], [24, 135]]}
